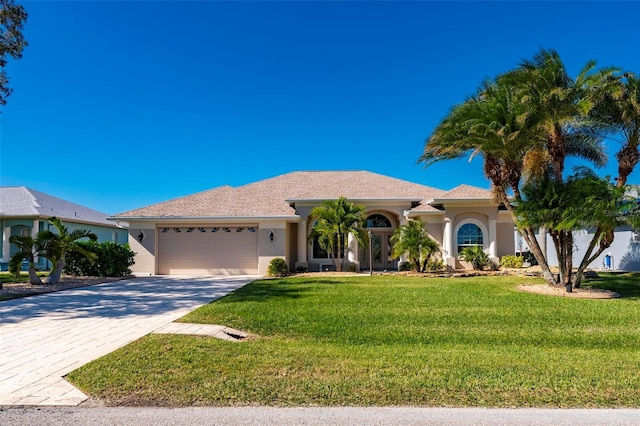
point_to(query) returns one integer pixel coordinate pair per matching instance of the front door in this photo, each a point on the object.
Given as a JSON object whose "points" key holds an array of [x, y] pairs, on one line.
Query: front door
{"points": [[380, 252]]}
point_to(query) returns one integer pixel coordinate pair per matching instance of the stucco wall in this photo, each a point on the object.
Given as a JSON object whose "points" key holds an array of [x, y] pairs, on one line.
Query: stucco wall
{"points": [[267, 249], [624, 251], [505, 239], [145, 260]]}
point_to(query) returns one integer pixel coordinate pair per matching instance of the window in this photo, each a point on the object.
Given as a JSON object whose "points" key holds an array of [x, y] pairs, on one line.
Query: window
{"points": [[320, 253], [25, 232], [469, 235], [377, 221]]}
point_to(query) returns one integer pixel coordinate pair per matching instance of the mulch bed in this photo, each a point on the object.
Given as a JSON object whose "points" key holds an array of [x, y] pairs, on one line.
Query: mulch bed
{"points": [[13, 290]]}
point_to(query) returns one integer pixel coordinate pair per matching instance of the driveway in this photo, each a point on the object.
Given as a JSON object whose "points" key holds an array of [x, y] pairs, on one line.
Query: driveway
{"points": [[45, 337]]}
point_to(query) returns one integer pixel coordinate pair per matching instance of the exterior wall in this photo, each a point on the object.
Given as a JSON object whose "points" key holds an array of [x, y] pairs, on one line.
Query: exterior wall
{"points": [[505, 239], [624, 251], [267, 249], [485, 217], [145, 250], [16, 225]]}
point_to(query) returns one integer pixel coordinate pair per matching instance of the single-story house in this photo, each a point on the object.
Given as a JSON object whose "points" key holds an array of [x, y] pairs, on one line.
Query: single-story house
{"points": [[239, 230], [24, 211]]}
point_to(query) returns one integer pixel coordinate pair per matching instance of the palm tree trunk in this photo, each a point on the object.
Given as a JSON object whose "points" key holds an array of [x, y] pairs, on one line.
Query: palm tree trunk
{"points": [[54, 277], [339, 251], [33, 276]]}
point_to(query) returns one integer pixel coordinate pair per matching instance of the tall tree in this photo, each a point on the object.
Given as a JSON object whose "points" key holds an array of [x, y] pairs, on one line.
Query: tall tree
{"points": [[12, 42], [487, 125], [335, 220], [529, 134], [63, 243], [413, 240]]}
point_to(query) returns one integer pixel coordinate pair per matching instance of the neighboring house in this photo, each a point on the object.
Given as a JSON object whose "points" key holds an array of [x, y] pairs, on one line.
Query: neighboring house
{"points": [[623, 254], [24, 211], [239, 230]]}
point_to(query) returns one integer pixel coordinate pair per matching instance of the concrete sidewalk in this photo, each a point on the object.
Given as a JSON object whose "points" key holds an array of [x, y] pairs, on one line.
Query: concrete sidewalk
{"points": [[45, 337]]}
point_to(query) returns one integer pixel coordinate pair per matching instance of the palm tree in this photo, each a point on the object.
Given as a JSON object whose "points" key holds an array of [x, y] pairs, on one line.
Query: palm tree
{"points": [[525, 125], [63, 243], [413, 240], [335, 219], [476, 256], [29, 249], [627, 119], [487, 125]]}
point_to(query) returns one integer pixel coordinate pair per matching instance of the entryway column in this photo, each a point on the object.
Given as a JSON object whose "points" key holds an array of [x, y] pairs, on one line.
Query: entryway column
{"points": [[492, 238], [449, 260], [352, 249], [302, 244], [6, 246]]}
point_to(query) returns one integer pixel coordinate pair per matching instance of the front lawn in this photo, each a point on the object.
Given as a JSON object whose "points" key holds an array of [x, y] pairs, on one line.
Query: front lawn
{"points": [[388, 340]]}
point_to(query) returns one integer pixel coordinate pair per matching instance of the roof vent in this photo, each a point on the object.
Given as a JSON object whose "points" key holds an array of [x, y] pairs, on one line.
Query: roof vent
{"points": [[415, 204]]}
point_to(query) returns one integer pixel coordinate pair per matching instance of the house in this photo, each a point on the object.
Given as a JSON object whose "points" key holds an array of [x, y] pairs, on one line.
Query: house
{"points": [[24, 211], [238, 230], [622, 255]]}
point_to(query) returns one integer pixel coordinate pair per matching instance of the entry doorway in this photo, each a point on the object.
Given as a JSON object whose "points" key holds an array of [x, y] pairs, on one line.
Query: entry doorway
{"points": [[381, 249]]}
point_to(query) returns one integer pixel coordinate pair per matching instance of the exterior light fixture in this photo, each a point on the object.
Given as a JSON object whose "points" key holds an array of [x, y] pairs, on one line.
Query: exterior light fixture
{"points": [[272, 235], [141, 236]]}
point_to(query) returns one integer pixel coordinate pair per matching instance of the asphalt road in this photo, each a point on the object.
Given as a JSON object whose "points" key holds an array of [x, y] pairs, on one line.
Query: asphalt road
{"points": [[103, 416]]}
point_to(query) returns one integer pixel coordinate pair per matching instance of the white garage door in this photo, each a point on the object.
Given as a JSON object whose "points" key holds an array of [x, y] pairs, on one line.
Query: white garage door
{"points": [[208, 250]]}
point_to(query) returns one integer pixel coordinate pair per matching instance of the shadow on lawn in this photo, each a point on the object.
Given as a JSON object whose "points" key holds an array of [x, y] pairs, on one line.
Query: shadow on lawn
{"points": [[260, 291], [627, 284]]}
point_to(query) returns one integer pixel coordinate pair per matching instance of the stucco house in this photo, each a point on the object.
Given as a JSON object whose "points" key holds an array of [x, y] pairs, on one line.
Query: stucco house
{"points": [[622, 255], [238, 230], [24, 211]]}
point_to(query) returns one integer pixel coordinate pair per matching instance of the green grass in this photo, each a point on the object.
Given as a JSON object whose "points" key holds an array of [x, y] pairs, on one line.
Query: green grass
{"points": [[387, 340], [7, 277]]}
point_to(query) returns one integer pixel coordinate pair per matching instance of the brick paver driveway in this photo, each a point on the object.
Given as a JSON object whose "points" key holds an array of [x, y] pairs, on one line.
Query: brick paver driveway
{"points": [[45, 337]]}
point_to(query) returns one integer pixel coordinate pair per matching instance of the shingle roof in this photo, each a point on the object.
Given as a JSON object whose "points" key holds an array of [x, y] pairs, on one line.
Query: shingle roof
{"points": [[20, 201], [466, 192], [272, 197]]}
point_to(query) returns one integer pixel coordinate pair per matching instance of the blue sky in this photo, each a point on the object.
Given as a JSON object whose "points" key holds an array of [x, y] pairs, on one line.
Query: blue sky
{"points": [[118, 105]]}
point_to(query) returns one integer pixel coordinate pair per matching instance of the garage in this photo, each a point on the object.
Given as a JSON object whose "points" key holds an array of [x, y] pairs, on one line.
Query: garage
{"points": [[207, 250]]}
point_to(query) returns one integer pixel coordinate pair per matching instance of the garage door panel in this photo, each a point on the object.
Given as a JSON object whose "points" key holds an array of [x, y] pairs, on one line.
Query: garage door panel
{"points": [[199, 251]]}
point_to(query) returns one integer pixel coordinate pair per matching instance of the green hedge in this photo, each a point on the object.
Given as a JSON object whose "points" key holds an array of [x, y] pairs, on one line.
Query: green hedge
{"points": [[114, 260]]}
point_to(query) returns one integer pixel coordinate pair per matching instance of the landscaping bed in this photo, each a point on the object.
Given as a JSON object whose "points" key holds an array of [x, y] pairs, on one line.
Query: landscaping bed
{"points": [[25, 289]]}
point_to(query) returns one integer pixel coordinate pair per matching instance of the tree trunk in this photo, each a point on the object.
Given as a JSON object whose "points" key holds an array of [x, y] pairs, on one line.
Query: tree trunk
{"points": [[416, 262], [586, 260], [529, 236], [54, 276], [339, 251], [33, 276]]}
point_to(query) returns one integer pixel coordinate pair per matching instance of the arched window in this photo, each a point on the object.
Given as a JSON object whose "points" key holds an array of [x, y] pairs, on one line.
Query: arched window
{"points": [[469, 235], [377, 221]]}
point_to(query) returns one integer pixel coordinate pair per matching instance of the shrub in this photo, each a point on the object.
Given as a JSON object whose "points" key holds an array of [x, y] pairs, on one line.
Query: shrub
{"points": [[476, 256], [407, 266], [511, 261], [278, 268], [435, 265], [114, 260]]}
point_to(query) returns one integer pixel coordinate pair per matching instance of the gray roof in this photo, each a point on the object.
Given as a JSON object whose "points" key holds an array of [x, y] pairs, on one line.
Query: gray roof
{"points": [[273, 197], [20, 201]]}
